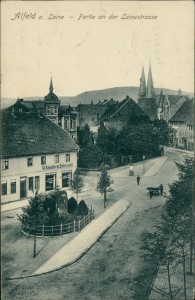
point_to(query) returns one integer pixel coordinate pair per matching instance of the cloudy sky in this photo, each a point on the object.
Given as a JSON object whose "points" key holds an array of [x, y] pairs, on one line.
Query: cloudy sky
{"points": [[94, 53]]}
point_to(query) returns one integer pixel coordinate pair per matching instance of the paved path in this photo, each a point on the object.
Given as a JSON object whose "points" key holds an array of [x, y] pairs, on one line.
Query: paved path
{"points": [[156, 166], [72, 251], [14, 205]]}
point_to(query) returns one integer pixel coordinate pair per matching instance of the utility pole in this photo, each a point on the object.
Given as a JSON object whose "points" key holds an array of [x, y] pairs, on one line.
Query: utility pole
{"points": [[143, 164]]}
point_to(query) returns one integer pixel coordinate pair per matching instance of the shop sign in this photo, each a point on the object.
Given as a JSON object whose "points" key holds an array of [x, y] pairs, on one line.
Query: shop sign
{"points": [[58, 166]]}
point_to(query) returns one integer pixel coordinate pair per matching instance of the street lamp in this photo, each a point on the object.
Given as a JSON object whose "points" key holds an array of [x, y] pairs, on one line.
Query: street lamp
{"points": [[143, 164]]}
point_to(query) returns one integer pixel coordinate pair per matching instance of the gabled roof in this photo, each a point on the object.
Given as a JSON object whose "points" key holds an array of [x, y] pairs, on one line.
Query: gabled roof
{"points": [[114, 110], [185, 114], [33, 134]]}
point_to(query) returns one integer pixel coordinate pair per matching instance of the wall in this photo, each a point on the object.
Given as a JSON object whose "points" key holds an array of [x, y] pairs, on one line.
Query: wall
{"points": [[18, 168]]}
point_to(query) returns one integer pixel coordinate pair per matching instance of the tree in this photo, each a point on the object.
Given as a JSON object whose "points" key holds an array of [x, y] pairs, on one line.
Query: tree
{"points": [[172, 241], [85, 136], [77, 184], [164, 132], [34, 214], [104, 183], [102, 139], [90, 157]]}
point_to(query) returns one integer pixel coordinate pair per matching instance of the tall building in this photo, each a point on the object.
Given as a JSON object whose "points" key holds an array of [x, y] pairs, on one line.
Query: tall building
{"points": [[158, 106], [52, 103]]}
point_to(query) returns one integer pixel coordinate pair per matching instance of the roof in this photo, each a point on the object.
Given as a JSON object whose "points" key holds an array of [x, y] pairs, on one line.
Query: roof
{"points": [[185, 114], [113, 111], [51, 97], [33, 134], [27, 105]]}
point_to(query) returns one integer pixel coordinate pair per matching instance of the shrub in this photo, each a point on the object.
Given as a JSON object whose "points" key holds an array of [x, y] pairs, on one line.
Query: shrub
{"points": [[72, 205], [82, 209]]}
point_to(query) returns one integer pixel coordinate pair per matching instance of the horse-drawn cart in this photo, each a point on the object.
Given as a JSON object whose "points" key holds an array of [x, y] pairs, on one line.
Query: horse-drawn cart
{"points": [[154, 190]]}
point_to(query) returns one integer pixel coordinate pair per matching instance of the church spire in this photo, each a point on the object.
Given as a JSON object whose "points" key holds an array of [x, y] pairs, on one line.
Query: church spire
{"points": [[142, 88], [51, 86], [150, 87]]}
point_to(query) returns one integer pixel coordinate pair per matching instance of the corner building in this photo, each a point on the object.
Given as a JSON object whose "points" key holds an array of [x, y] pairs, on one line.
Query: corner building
{"points": [[37, 154]]}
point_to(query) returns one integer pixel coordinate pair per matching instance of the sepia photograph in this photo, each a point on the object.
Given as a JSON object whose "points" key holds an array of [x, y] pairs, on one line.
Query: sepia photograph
{"points": [[97, 150]]}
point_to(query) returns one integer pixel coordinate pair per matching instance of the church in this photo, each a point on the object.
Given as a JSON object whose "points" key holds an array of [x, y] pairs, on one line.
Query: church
{"points": [[158, 106]]}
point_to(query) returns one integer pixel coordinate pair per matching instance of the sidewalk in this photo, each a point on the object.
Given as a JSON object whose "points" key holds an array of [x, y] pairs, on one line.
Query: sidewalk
{"points": [[156, 167], [78, 246]]}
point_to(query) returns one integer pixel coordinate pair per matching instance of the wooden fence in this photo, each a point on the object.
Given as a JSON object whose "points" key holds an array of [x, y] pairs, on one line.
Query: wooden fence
{"points": [[59, 229]]}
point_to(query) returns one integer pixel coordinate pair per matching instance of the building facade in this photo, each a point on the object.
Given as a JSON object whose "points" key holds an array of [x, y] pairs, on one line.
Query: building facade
{"points": [[64, 116], [36, 155], [161, 106], [183, 123]]}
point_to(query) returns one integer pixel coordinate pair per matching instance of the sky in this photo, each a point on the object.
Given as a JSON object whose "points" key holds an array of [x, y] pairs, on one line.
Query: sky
{"points": [[85, 49]]}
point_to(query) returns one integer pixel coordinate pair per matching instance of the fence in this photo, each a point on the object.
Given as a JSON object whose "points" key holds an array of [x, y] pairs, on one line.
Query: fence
{"points": [[59, 229]]}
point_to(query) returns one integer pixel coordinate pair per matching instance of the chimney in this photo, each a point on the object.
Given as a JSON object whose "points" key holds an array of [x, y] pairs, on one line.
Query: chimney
{"points": [[127, 97], [179, 92]]}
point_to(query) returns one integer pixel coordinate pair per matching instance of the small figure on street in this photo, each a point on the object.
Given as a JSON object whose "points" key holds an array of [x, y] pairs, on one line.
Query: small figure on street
{"points": [[151, 194], [138, 179], [161, 189], [131, 173]]}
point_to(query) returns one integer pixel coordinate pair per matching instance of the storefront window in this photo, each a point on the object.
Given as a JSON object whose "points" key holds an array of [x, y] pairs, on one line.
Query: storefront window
{"points": [[37, 182], [50, 182], [4, 188], [13, 186], [66, 178], [31, 183]]}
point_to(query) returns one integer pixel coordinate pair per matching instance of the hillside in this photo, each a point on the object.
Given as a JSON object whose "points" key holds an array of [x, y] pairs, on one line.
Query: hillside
{"points": [[117, 93]]}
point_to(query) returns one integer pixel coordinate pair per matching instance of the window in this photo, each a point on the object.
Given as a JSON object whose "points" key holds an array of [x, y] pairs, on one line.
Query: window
{"points": [[50, 182], [52, 110], [72, 124], [5, 164], [56, 110], [67, 157], [30, 183], [37, 182], [66, 179], [29, 161], [47, 110], [13, 186], [66, 124], [56, 158], [43, 159], [4, 187]]}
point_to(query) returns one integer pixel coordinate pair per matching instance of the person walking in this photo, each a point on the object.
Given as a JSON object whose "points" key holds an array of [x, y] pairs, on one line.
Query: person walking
{"points": [[138, 179], [161, 189]]}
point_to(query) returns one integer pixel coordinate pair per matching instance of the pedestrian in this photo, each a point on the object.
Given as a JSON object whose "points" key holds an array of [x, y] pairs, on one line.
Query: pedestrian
{"points": [[131, 170], [138, 179], [151, 194], [161, 189]]}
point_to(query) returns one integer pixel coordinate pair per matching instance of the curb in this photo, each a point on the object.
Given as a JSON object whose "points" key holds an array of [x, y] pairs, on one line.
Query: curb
{"points": [[80, 255]]}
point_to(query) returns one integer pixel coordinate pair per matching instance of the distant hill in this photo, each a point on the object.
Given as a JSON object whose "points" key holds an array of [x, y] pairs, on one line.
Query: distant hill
{"points": [[117, 93]]}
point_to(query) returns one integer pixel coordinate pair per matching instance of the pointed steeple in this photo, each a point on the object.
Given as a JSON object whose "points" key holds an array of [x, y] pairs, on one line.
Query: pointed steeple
{"points": [[51, 86], [150, 87], [142, 88], [161, 99]]}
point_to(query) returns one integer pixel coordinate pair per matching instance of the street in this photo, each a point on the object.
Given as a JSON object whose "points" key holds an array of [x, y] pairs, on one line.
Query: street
{"points": [[114, 266]]}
